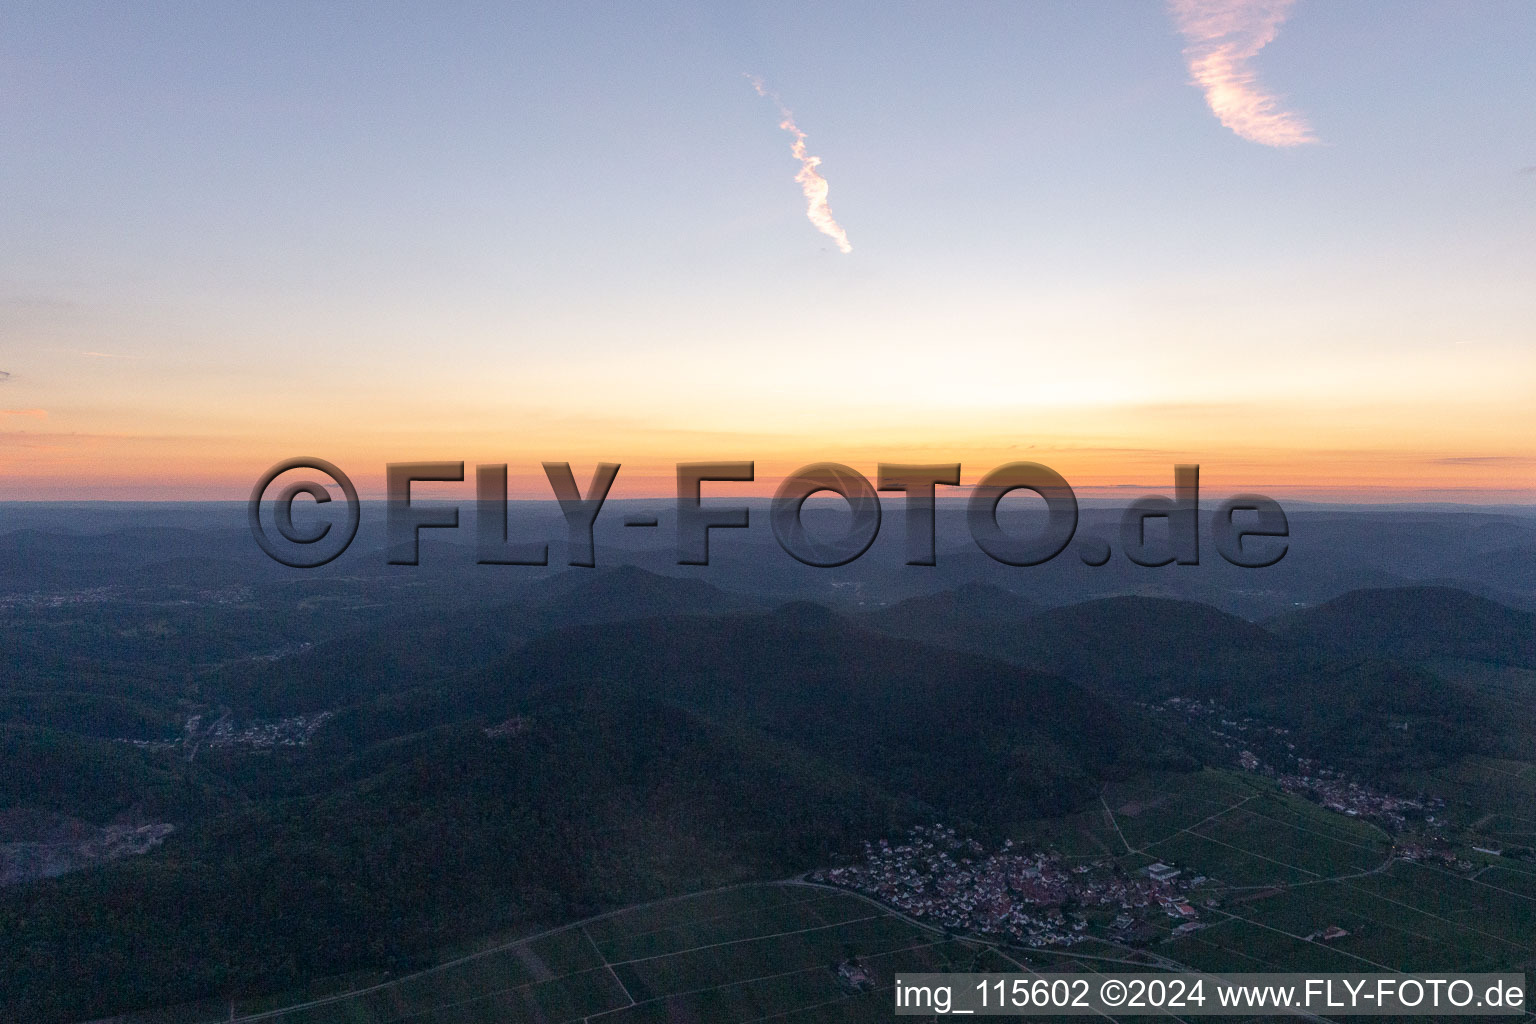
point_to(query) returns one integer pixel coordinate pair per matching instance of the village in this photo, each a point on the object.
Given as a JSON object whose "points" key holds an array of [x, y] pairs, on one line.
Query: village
{"points": [[1421, 830], [1029, 898], [1303, 776], [257, 734], [1038, 898]]}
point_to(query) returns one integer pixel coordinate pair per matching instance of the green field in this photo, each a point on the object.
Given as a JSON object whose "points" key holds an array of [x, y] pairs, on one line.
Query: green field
{"points": [[1290, 869], [747, 953], [1281, 870]]}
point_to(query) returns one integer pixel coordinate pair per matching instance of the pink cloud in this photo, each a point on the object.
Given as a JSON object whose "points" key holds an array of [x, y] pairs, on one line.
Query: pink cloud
{"points": [[1223, 36], [812, 185]]}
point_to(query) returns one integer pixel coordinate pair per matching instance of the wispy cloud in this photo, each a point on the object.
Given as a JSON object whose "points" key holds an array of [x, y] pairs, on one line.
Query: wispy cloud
{"points": [[1223, 36], [811, 182], [1485, 460], [37, 414]]}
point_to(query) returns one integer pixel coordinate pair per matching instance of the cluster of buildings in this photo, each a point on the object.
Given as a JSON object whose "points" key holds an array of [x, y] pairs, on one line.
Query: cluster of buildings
{"points": [[288, 650], [259, 734], [1343, 796], [238, 594], [1029, 898], [1233, 730], [854, 976], [514, 726], [293, 731], [1438, 850], [89, 595], [1305, 776]]}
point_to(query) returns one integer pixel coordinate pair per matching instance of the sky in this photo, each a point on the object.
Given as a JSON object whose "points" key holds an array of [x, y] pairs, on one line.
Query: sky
{"points": [[1292, 242]]}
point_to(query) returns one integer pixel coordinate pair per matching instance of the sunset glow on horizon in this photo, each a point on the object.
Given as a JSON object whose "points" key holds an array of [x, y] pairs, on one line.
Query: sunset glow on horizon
{"points": [[235, 236]]}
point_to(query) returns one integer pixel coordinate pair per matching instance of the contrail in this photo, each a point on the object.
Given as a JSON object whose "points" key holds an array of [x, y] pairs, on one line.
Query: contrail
{"points": [[1223, 36], [811, 182]]}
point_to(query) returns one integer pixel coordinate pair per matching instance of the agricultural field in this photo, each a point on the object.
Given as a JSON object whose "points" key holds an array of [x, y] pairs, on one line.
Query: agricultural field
{"points": [[1495, 796], [1289, 870], [1280, 871], [747, 953]]}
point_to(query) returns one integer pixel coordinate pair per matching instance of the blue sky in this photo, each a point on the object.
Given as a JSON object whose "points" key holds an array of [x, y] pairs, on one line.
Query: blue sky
{"points": [[578, 225]]}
